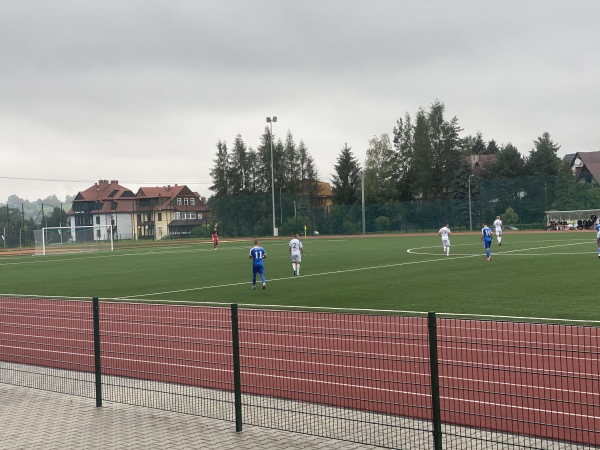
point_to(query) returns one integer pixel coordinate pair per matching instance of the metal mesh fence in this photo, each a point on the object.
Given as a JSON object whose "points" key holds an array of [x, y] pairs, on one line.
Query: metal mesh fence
{"points": [[535, 382], [351, 377], [176, 358], [47, 344], [384, 380]]}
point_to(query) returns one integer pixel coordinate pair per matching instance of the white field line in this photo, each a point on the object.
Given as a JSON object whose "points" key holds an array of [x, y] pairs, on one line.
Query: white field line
{"points": [[360, 387], [413, 251]]}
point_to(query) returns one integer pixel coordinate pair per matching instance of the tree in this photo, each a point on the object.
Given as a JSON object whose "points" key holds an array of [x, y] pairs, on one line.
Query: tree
{"points": [[238, 170], [403, 158], [346, 180], [57, 218], [422, 157], [509, 163], [379, 181], [291, 181], [543, 159], [475, 145], [220, 170], [492, 148]]}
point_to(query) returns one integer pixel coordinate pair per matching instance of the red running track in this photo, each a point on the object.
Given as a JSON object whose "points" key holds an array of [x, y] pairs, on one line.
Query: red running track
{"points": [[531, 379]]}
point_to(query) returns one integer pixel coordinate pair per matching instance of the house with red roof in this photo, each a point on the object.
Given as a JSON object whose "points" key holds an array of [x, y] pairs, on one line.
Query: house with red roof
{"points": [[172, 211], [150, 213], [104, 203]]}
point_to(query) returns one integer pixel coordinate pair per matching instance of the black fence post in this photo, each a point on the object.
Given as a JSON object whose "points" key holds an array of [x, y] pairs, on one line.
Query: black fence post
{"points": [[435, 381], [97, 366], [237, 382]]}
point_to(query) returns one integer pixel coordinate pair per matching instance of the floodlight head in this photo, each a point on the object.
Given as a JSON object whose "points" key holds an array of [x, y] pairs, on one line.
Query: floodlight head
{"points": [[274, 118], [268, 119]]}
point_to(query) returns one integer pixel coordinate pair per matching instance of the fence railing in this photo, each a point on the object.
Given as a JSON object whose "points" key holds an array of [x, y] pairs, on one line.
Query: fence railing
{"points": [[379, 379]]}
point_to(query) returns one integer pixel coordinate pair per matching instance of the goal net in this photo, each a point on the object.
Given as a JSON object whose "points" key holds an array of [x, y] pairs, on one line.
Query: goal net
{"points": [[576, 219], [57, 240]]}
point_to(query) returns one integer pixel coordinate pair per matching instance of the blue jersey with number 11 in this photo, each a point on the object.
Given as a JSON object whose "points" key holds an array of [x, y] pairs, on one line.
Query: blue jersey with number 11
{"points": [[257, 253]]}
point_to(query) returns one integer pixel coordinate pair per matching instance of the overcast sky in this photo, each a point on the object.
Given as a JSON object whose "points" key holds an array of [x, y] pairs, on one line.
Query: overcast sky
{"points": [[141, 91]]}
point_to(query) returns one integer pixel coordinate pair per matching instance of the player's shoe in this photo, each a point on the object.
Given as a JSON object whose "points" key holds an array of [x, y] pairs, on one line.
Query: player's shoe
{"points": [[264, 285], [500, 244]]}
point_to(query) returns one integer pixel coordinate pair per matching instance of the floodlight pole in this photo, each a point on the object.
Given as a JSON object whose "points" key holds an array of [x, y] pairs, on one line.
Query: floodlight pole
{"points": [[470, 215], [362, 190], [270, 121]]}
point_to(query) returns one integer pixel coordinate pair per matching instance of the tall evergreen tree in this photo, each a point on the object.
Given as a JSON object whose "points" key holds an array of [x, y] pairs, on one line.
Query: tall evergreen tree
{"points": [[263, 166], [509, 163], [422, 157], [403, 160], [543, 159], [238, 167], [347, 178], [291, 157], [220, 171]]}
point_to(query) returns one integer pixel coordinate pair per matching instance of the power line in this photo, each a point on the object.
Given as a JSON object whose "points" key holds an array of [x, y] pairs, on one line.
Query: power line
{"points": [[87, 181]]}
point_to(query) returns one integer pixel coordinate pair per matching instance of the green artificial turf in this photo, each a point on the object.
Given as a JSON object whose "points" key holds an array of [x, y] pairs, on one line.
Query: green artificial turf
{"points": [[538, 275]]}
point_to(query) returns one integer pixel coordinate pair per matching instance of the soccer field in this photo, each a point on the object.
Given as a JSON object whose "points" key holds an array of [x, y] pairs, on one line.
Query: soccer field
{"points": [[536, 275]]}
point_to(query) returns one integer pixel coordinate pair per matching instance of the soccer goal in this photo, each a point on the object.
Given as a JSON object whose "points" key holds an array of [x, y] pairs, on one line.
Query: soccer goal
{"points": [[57, 240]]}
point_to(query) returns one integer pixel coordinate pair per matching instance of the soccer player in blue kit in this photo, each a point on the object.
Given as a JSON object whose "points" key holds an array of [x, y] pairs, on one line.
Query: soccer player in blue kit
{"points": [[486, 238], [257, 254], [598, 237]]}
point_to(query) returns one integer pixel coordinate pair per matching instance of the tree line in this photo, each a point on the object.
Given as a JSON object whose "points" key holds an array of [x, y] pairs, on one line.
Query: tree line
{"points": [[426, 159], [417, 176]]}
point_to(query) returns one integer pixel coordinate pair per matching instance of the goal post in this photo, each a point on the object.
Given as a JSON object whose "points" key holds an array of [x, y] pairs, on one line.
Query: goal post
{"points": [[80, 239]]}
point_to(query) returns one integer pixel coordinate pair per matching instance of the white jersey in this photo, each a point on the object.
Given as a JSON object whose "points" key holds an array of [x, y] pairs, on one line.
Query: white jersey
{"points": [[498, 224], [444, 233], [295, 249]]}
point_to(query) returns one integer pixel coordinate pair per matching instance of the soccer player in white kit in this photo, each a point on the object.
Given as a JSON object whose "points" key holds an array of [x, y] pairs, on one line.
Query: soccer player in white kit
{"points": [[498, 226], [445, 234], [296, 252]]}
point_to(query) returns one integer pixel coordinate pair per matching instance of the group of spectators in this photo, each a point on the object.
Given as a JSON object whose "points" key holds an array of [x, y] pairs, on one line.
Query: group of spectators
{"points": [[579, 224]]}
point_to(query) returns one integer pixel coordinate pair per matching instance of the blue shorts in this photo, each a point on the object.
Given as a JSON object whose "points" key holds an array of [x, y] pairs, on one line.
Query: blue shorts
{"points": [[487, 244], [258, 269]]}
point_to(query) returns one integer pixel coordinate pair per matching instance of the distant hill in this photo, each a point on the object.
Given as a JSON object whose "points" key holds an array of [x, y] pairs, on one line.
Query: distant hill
{"points": [[33, 210]]}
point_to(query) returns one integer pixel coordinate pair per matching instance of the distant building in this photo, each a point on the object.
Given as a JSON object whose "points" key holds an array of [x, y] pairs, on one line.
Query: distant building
{"points": [[104, 203], [585, 166], [323, 197], [168, 211], [481, 163], [150, 213]]}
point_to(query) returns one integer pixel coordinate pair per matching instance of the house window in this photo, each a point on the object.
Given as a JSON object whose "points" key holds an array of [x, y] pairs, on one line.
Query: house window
{"points": [[192, 201], [149, 217], [199, 215], [97, 220], [139, 217], [160, 217], [160, 232], [178, 200], [192, 215], [186, 201], [177, 215]]}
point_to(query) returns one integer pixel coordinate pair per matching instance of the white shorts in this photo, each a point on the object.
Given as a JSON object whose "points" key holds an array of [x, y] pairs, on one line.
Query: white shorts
{"points": [[498, 231], [296, 257], [446, 242]]}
